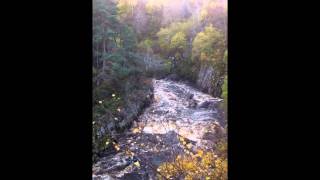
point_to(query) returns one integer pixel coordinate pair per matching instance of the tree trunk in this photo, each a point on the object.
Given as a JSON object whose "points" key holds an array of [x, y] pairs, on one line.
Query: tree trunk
{"points": [[103, 54]]}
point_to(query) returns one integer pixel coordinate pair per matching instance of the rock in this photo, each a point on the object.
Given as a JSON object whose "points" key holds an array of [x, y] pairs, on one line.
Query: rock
{"points": [[133, 176], [111, 126], [190, 96], [206, 104], [209, 136], [210, 80], [193, 104]]}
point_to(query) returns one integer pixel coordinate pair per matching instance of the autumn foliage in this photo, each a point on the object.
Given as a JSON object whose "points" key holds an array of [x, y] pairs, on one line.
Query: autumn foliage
{"points": [[201, 165]]}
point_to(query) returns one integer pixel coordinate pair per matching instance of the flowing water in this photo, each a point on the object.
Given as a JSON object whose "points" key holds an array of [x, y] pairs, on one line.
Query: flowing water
{"points": [[178, 111]]}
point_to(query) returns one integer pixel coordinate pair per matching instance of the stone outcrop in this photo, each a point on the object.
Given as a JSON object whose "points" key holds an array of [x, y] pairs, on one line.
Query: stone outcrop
{"points": [[210, 80]]}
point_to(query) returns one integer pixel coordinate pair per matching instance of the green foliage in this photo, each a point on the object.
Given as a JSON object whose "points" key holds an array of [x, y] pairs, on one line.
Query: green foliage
{"points": [[207, 45], [128, 37], [164, 36], [225, 82], [178, 41], [174, 37], [186, 69], [225, 58], [115, 64], [168, 65], [126, 7], [225, 94], [146, 45], [225, 88]]}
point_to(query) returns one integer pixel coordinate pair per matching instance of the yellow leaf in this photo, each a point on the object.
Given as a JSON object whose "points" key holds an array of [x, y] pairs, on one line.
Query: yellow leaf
{"points": [[137, 164], [117, 147], [189, 145], [181, 139], [135, 130], [184, 143], [200, 153]]}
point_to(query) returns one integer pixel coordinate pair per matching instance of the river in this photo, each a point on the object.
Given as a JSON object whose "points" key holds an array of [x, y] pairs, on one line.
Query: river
{"points": [[177, 111]]}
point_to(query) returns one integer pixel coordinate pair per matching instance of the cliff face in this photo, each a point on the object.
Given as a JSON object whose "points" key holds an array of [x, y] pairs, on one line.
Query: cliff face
{"points": [[210, 80]]}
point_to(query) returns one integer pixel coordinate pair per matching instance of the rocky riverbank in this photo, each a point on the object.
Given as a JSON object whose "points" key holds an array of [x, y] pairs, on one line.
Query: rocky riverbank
{"points": [[108, 127]]}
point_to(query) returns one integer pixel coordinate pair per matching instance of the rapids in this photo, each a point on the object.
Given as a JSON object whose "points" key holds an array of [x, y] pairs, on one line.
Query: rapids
{"points": [[178, 110]]}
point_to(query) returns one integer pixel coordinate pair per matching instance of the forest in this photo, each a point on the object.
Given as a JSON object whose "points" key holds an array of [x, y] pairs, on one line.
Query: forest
{"points": [[160, 89]]}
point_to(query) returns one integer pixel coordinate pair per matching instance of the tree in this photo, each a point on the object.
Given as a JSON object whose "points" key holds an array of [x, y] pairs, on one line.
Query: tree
{"points": [[215, 12], [208, 45], [178, 43], [115, 67], [173, 38], [146, 45]]}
